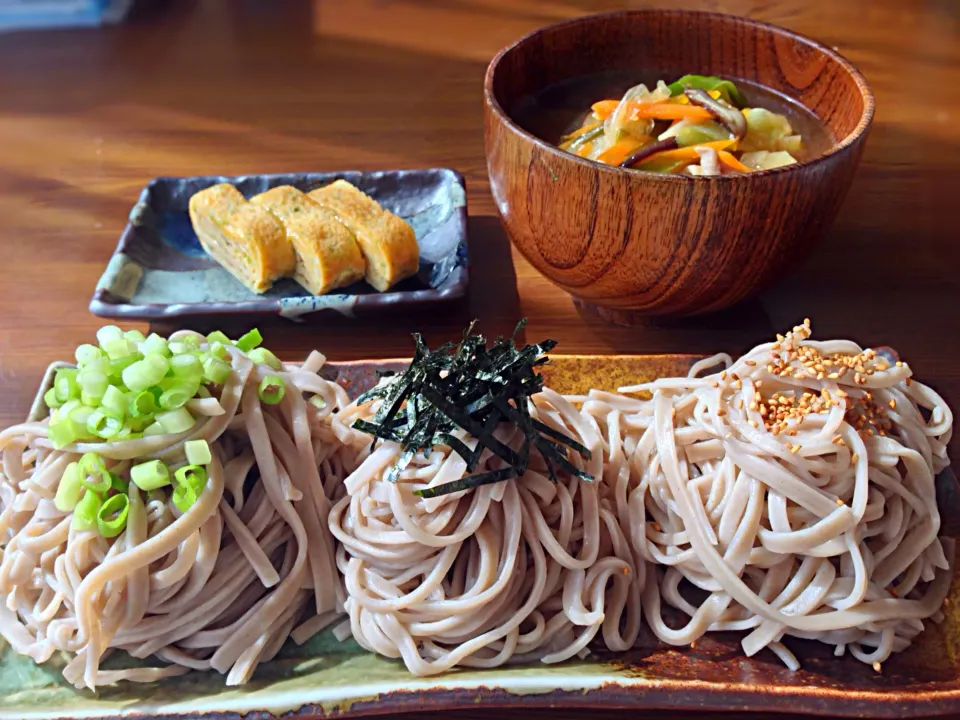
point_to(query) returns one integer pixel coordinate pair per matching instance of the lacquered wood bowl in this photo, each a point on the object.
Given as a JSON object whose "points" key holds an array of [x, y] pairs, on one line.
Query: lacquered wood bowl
{"points": [[629, 243]]}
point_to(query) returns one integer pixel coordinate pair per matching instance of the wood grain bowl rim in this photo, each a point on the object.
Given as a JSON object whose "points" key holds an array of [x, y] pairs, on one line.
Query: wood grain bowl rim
{"points": [[838, 147]]}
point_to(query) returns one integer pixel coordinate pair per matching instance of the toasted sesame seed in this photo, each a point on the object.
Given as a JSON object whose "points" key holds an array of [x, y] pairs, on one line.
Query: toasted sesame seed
{"points": [[754, 423], [758, 383], [907, 381], [739, 403], [876, 666], [833, 376], [723, 374], [795, 449], [751, 363], [840, 502], [893, 404], [753, 405], [714, 384], [855, 458], [899, 364], [721, 412]]}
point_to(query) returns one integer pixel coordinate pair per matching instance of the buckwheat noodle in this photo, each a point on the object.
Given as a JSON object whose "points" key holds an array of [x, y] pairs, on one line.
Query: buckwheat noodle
{"points": [[791, 493], [220, 586], [522, 570]]}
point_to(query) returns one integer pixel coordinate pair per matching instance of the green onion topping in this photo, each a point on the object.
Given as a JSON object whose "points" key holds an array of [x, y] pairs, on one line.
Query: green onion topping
{"points": [[198, 452], [112, 515], [69, 491], [150, 475], [271, 389]]}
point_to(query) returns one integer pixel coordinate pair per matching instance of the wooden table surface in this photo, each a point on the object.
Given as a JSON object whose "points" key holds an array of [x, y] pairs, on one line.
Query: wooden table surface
{"points": [[87, 117]]}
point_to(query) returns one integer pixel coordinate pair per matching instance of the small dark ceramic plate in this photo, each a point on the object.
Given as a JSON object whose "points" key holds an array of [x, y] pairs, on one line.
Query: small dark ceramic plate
{"points": [[160, 271]]}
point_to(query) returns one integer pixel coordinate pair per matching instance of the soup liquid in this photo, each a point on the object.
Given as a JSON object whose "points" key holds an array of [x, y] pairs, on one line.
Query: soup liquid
{"points": [[561, 108]]}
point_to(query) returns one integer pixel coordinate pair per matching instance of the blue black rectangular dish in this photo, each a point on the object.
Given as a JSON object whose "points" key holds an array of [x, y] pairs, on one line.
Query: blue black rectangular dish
{"points": [[159, 270]]}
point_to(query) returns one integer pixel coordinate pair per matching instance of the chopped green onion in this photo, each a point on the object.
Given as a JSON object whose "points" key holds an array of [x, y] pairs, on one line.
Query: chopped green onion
{"points": [[177, 347], [219, 350], [119, 348], [134, 336], [318, 402], [85, 513], [198, 452], [127, 433], [118, 483], [81, 414], [250, 340], [63, 432], [90, 401], [50, 398], [86, 354], [154, 429], [114, 401], [216, 370], [155, 345], [145, 373], [187, 366], [184, 497], [271, 389], [143, 404], [192, 475], [203, 392], [65, 384], [103, 425], [107, 333], [138, 424], [218, 337], [93, 384], [176, 421], [262, 356], [150, 475], [93, 473], [177, 396], [64, 410], [69, 491], [116, 367], [112, 515]]}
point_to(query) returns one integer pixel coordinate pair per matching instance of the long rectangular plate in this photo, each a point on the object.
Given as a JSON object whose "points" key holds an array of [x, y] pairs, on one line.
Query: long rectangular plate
{"points": [[329, 678]]}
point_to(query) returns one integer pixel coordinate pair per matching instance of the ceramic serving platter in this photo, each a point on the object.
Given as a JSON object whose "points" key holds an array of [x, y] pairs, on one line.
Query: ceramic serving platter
{"points": [[160, 271], [327, 678]]}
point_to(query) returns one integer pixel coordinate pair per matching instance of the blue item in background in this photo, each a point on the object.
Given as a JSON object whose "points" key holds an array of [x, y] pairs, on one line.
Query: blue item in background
{"points": [[41, 14]]}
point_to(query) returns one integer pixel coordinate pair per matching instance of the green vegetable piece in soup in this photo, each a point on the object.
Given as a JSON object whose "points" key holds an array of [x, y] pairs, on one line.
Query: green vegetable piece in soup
{"points": [[765, 131], [728, 91], [701, 133]]}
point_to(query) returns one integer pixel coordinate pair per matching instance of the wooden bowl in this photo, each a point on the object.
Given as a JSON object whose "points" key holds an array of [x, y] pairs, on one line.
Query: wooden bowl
{"points": [[628, 243]]}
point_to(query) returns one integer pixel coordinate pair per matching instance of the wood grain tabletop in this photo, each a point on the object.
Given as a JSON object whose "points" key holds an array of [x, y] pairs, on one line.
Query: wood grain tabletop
{"points": [[87, 117]]}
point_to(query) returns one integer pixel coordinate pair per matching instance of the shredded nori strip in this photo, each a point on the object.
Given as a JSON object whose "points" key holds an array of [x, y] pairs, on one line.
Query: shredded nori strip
{"points": [[469, 386]]}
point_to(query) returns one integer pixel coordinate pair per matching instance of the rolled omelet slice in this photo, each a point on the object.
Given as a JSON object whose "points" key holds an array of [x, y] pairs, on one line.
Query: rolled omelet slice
{"points": [[247, 240], [327, 253], [387, 242]]}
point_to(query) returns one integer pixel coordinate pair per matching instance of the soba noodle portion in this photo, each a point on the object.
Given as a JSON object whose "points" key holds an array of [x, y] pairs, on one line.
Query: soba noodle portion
{"points": [[792, 494], [522, 570], [219, 586]]}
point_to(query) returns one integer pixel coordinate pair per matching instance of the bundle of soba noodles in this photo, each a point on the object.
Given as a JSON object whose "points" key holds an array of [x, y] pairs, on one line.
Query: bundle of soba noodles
{"points": [[791, 493], [169, 506], [481, 529]]}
